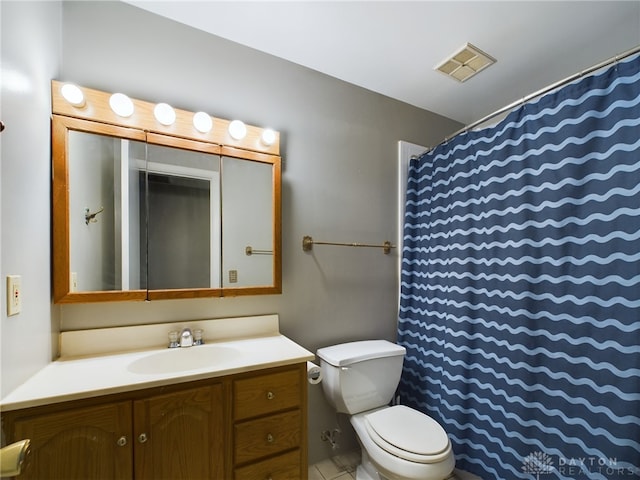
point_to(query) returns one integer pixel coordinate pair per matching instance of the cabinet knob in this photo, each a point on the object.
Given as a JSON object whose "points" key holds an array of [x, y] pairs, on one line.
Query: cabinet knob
{"points": [[142, 438], [270, 438], [271, 395], [122, 441]]}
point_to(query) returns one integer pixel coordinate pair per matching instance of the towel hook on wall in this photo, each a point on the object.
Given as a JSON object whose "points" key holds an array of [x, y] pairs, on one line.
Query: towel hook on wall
{"points": [[91, 217]]}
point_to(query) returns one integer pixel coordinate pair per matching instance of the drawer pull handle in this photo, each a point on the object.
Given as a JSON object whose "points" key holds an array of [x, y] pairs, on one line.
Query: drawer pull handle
{"points": [[270, 438], [122, 441], [271, 395], [142, 438]]}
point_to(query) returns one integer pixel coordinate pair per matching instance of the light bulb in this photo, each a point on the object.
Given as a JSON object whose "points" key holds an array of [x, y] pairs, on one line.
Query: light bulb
{"points": [[121, 104], [72, 94], [164, 113], [237, 130], [268, 136], [202, 121]]}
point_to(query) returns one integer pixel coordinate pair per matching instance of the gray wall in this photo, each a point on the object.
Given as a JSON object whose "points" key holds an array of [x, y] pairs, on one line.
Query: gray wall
{"points": [[30, 46], [339, 175]]}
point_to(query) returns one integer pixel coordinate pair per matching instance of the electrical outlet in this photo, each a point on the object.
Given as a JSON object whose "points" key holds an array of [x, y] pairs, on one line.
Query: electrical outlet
{"points": [[14, 295]]}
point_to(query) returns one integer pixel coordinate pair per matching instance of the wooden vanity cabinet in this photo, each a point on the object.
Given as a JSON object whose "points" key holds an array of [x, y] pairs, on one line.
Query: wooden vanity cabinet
{"points": [[246, 426], [177, 435]]}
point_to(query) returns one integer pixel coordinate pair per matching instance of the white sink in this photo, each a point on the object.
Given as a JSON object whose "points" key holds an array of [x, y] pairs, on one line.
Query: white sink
{"points": [[173, 360]]}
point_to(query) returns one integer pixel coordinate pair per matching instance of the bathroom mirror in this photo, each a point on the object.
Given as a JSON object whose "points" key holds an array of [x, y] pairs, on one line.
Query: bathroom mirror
{"points": [[142, 215]]}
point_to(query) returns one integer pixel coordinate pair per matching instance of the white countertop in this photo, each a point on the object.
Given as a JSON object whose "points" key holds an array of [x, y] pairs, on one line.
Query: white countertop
{"points": [[72, 378]]}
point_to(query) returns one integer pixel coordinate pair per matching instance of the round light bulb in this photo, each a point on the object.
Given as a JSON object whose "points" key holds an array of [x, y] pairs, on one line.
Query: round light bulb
{"points": [[72, 94], [237, 130], [268, 136], [121, 104], [164, 113], [202, 121]]}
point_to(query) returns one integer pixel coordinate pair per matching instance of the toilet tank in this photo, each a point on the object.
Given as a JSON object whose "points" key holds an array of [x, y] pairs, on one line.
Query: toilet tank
{"points": [[360, 376]]}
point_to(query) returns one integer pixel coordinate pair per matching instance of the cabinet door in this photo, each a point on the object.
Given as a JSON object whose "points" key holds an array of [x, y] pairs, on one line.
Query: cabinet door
{"points": [[81, 444], [180, 435]]}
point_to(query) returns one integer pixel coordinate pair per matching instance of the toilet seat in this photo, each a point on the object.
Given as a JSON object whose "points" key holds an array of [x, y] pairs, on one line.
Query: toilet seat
{"points": [[408, 434]]}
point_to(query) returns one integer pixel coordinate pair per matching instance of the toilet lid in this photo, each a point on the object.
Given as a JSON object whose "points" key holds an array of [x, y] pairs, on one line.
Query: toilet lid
{"points": [[408, 434]]}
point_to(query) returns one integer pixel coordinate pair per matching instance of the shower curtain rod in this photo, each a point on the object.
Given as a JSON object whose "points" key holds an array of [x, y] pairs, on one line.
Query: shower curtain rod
{"points": [[542, 91]]}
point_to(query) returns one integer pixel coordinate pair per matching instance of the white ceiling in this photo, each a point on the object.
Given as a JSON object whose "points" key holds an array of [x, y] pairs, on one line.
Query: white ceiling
{"points": [[392, 47]]}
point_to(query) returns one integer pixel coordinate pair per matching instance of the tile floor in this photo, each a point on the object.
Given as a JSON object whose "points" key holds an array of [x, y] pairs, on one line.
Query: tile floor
{"points": [[343, 467], [340, 467]]}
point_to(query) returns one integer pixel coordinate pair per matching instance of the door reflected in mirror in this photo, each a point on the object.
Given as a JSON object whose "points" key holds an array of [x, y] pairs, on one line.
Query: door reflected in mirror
{"points": [[158, 225], [183, 197]]}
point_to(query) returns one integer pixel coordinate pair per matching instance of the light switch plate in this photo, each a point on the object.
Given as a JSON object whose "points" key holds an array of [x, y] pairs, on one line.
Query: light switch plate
{"points": [[14, 294], [233, 276]]}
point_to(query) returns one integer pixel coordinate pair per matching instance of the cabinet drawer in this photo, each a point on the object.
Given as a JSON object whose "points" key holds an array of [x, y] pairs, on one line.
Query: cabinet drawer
{"points": [[264, 394], [267, 436], [283, 467]]}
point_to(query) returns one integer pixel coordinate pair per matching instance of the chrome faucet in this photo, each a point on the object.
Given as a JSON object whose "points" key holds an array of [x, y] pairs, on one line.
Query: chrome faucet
{"points": [[186, 338]]}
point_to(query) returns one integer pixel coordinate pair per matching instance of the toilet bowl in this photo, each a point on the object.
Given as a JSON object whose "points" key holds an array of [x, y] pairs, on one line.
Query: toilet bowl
{"points": [[402, 444], [398, 442]]}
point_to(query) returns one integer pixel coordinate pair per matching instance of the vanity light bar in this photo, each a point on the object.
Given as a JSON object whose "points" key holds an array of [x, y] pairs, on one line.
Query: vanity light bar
{"points": [[119, 109]]}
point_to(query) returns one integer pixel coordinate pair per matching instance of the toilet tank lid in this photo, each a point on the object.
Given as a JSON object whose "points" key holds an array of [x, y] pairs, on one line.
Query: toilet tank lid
{"points": [[353, 352]]}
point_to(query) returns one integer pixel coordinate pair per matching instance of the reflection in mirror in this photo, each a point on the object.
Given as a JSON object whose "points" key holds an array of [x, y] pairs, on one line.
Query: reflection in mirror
{"points": [[104, 213], [247, 212], [183, 189]]}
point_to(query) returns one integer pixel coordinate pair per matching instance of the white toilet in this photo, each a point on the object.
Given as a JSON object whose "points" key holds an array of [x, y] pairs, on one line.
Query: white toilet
{"points": [[398, 442]]}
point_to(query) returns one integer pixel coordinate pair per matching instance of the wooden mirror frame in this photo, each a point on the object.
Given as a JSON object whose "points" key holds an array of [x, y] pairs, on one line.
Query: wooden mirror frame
{"points": [[95, 116]]}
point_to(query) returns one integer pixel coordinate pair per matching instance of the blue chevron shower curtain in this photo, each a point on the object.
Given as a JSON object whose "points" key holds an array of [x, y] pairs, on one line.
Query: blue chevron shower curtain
{"points": [[520, 286]]}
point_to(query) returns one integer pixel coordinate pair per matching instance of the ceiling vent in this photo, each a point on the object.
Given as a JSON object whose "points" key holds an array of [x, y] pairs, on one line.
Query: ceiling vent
{"points": [[465, 63]]}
